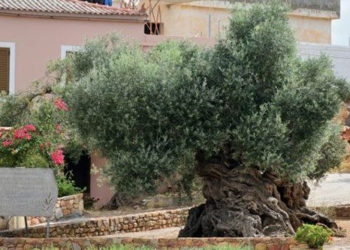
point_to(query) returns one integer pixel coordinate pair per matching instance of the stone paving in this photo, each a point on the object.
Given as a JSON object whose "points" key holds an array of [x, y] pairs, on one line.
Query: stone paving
{"points": [[332, 191]]}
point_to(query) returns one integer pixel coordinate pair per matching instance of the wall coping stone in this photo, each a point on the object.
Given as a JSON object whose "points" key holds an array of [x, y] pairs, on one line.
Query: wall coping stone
{"points": [[159, 243], [68, 197]]}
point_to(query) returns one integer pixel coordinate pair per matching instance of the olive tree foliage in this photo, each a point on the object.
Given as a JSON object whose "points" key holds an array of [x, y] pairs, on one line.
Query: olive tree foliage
{"points": [[123, 101], [250, 96]]}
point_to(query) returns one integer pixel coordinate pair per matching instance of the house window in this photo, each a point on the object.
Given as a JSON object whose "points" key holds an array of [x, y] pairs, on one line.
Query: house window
{"points": [[66, 51], [153, 28], [7, 67], [5, 70]]}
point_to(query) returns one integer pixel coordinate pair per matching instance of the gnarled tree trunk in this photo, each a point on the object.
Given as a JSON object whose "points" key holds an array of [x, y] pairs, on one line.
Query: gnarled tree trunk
{"points": [[243, 202]]}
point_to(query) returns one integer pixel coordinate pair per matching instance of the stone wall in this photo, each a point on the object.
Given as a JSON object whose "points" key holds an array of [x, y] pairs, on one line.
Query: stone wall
{"points": [[161, 243], [85, 227], [335, 212], [342, 212], [88, 232], [66, 207]]}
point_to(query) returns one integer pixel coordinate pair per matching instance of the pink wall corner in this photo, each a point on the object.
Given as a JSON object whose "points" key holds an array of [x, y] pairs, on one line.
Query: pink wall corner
{"points": [[99, 190]]}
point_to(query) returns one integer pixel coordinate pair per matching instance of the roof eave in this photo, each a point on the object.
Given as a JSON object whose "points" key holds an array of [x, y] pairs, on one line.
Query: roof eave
{"points": [[96, 17]]}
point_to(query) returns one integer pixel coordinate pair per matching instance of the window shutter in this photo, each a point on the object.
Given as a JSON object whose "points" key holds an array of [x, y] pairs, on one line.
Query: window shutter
{"points": [[4, 69]]}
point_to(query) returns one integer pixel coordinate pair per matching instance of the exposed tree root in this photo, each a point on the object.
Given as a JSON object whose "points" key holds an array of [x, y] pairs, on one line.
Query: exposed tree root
{"points": [[243, 202]]}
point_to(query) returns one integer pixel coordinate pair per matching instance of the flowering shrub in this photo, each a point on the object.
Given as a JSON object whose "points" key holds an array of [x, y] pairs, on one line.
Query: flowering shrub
{"points": [[39, 142], [57, 157], [314, 236]]}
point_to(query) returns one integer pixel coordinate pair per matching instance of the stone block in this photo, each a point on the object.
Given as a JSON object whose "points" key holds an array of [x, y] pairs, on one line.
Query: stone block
{"points": [[81, 206], [273, 247], [75, 246], [58, 213], [34, 221]]}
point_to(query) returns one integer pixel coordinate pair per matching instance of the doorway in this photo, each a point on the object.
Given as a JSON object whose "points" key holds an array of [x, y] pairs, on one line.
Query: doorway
{"points": [[79, 171]]}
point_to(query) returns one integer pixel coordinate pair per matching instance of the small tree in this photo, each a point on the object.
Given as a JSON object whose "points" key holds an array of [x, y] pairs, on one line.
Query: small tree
{"points": [[254, 118]]}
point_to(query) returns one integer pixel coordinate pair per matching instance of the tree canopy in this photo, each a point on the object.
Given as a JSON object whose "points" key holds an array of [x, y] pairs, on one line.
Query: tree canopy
{"points": [[248, 101]]}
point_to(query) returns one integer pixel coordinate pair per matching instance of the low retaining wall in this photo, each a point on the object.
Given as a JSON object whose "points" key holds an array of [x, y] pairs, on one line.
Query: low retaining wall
{"points": [[179, 243], [67, 206], [341, 212], [335, 212], [107, 225], [89, 231]]}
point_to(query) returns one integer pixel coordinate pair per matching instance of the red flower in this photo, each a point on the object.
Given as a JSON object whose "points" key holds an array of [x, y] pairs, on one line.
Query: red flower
{"points": [[61, 105], [58, 129], [57, 157], [30, 127], [22, 133], [7, 143]]}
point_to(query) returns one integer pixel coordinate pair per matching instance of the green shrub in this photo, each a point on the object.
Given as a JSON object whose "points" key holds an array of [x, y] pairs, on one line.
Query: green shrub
{"points": [[66, 186], [313, 235]]}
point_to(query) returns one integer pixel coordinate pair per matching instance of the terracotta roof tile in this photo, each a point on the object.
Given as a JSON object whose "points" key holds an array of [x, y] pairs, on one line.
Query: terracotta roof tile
{"points": [[64, 6]]}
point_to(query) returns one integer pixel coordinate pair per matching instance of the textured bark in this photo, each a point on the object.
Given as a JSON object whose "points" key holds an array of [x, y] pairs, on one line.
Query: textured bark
{"points": [[243, 202]]}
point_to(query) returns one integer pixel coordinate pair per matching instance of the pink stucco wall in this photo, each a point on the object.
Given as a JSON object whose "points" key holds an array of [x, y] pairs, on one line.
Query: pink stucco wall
{"points": [[99, 188], [39, 40]]}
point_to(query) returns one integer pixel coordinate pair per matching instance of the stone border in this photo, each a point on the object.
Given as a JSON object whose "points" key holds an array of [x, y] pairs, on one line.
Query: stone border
{"points": [[66, 207], [160, 243], [335, 212], [84, 232], [85, 227]]}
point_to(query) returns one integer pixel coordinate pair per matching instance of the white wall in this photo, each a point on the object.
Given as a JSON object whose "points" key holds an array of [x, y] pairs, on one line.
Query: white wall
{"points": [[340, 56]]}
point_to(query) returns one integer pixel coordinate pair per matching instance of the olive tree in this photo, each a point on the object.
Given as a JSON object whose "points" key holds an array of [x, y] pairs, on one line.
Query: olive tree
{"points": [[248, 116]]}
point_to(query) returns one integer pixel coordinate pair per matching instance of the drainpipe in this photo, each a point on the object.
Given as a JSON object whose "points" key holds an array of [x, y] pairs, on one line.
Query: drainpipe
{"points": [[219, 26], [209, 26]]}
